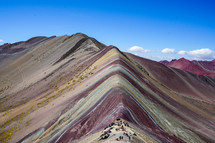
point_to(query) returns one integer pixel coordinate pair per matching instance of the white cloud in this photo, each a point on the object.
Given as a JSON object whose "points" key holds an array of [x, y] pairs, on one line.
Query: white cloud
{"points": [[1, 41], [202, 53], [199, 53], [168, 51], [182, 52], [138, 49]]}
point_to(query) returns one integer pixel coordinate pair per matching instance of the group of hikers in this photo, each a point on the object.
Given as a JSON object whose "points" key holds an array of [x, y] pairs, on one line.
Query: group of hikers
{"points": [[119, 125]]}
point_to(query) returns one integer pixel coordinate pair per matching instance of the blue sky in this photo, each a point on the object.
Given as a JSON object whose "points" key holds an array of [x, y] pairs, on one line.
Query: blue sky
{"points": [[155, 29]]}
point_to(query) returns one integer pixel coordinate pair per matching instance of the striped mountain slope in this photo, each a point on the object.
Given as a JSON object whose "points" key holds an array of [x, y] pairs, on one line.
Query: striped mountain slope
{"points": [[85, 88]]}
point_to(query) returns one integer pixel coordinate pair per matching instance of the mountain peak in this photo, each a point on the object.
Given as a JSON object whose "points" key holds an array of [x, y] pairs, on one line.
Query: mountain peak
{"points": [[80, 34], [198, 67], [183, 59]]}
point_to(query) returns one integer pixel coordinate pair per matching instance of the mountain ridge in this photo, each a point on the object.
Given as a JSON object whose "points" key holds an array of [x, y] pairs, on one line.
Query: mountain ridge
{"points": [[75, 99]]}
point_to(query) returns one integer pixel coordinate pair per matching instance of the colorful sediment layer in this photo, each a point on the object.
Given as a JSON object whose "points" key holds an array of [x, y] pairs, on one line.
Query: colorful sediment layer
{"points": [[154, 102]]}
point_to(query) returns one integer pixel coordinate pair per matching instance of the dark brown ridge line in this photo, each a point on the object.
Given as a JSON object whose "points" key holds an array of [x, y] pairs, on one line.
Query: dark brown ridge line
{"points": [[77, 45], [71, 50]]}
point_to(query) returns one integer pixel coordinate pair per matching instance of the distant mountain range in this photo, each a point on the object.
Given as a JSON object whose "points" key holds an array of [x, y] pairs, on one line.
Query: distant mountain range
{"points": [[75, 89], [206, 68]]}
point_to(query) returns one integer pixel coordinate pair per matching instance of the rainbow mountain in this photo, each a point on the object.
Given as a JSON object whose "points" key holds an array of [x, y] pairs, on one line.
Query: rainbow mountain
{"points": [[76, 89]]}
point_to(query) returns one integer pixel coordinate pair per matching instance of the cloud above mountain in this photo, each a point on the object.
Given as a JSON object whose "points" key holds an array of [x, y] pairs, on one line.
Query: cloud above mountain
{"points": [[182, 52], [138, 49], [171, 53], [168, 51], [1, 41], [199, 53]]}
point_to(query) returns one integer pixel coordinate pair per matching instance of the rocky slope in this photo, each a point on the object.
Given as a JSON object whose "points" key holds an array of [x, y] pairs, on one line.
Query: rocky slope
{"points": [[75, 89]]}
